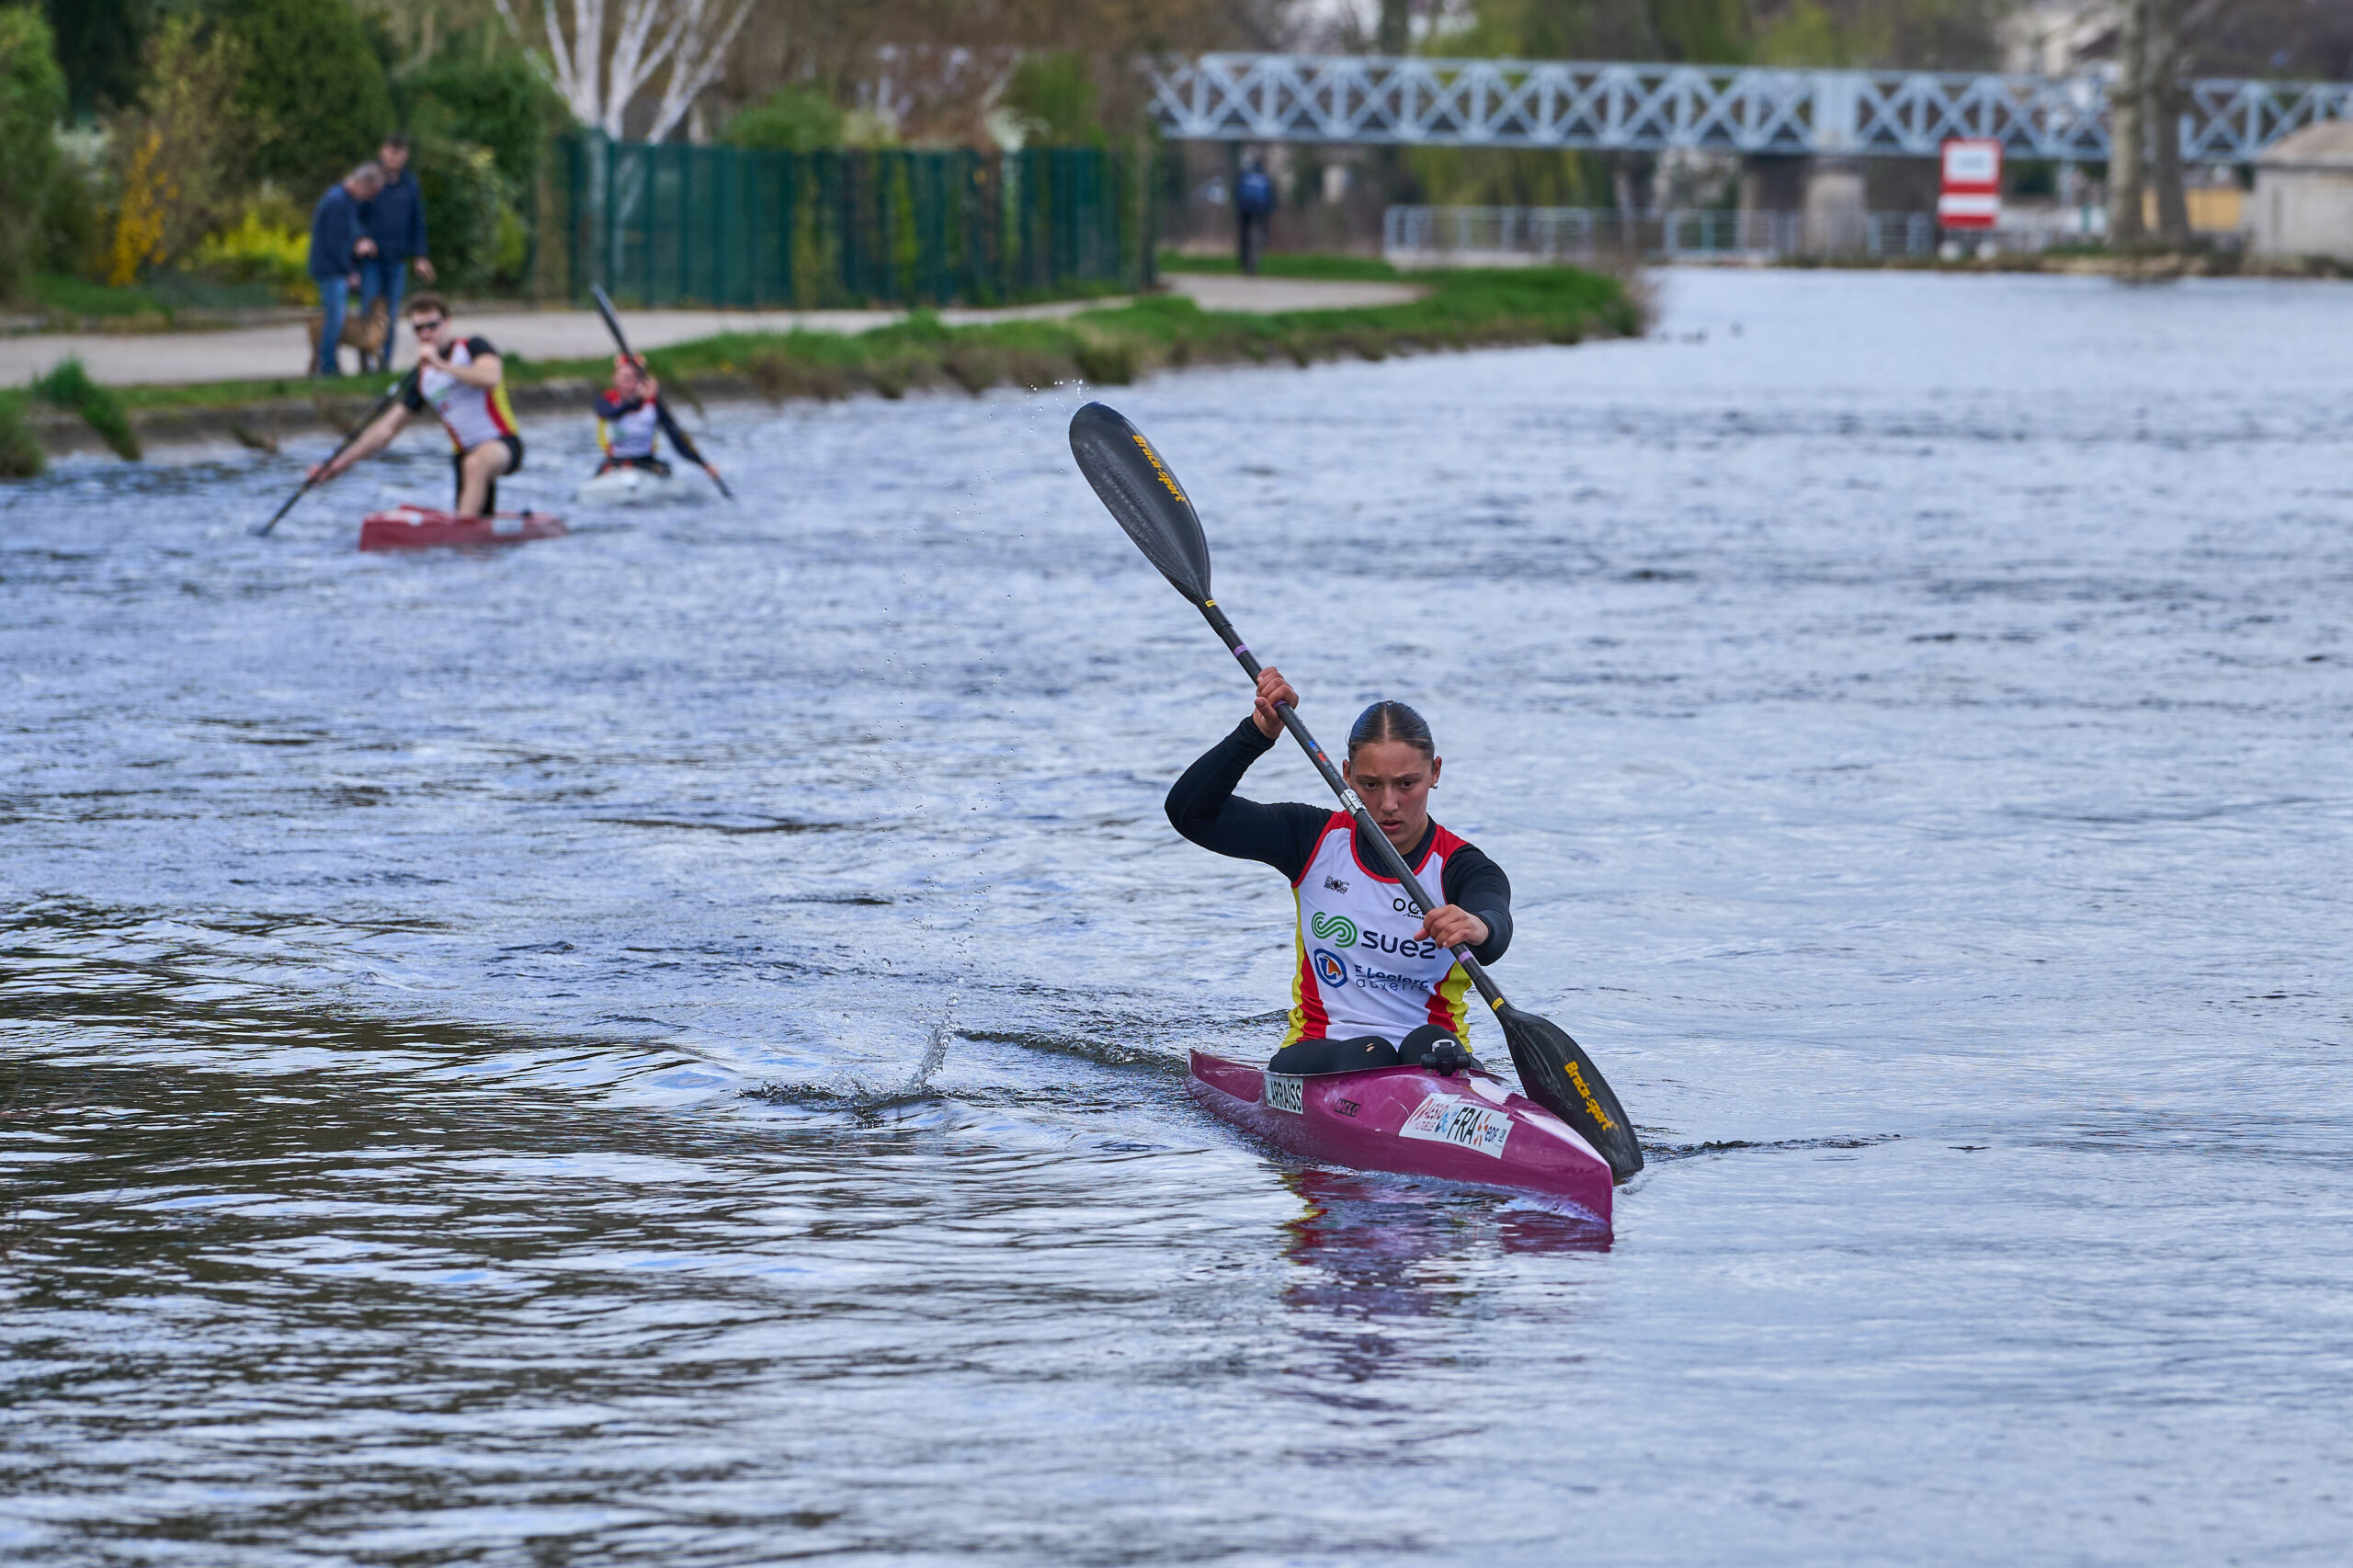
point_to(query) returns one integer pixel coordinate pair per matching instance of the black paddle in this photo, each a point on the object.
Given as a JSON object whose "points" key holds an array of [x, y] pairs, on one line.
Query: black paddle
{"points": [[1150, 505], [686, 443], [310, 483]]}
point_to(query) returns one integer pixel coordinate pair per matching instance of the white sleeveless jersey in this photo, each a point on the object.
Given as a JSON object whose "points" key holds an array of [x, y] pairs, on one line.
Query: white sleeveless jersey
{"points": [[471, 415], [1362, 971], [630, 434]]}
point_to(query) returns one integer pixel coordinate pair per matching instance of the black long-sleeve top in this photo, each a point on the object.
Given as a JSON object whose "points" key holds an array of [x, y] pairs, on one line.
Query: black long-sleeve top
{"points": [[1203, 807]]}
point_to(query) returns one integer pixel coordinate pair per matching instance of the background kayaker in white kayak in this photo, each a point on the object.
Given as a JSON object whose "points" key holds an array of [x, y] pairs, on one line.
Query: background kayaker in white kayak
{"points": [[629, 413], [461, 380], [1375, 981]]}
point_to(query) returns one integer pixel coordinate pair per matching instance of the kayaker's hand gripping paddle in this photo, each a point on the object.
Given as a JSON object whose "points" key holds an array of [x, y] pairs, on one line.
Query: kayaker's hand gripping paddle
{"points": [[685, 442], [1149, 503]]}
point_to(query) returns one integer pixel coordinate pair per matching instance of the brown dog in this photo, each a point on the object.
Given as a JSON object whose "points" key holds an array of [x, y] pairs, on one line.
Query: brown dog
{"points": [[366, 333]]}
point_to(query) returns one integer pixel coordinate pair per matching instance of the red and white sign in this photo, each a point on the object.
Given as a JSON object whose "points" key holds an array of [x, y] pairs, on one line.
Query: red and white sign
{"points": [[1971, 198]]}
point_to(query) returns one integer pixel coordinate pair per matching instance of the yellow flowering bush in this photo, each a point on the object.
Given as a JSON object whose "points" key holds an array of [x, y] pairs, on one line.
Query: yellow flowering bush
{"points": [[256, 251], [147, 190]]}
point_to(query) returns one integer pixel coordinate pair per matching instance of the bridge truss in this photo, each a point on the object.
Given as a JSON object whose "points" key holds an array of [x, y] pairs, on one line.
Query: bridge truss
{"points": [[1649, 109]]}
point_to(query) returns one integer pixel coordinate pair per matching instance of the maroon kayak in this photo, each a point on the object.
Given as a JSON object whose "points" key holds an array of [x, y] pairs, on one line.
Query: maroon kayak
{"points": [[423, 528], [1466, 1125]]}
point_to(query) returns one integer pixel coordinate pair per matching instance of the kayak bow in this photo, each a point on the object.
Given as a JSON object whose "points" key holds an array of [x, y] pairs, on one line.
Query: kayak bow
{"points": [[1463, 1127]]}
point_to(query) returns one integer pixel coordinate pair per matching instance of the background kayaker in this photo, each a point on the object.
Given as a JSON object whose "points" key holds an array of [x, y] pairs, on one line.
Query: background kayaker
{"points": [[462, 381], [395, 220], [629, 413], [1375, 981], [339, 245]]}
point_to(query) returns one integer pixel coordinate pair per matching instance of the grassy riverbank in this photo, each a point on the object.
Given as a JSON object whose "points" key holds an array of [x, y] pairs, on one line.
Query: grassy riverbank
{"points": [[1109, 346], [1113, 347]]}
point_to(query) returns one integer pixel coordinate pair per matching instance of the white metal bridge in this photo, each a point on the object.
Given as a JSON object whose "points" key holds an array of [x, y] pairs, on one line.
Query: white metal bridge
{"points": [[1649, 109]]}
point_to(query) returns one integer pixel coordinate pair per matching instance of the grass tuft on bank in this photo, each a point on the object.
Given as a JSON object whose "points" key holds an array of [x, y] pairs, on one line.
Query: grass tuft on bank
{"points": [[69, 386], [20, 450]]}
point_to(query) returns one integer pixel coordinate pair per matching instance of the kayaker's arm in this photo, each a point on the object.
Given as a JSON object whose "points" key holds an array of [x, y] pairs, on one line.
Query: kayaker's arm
{"points": [[373, 439], [483, 370], [1203, 807]]}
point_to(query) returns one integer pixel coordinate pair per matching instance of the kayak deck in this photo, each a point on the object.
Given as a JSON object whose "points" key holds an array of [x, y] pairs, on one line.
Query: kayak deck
{"points": [[1466, 1127], [628, 486], [423, 528]]}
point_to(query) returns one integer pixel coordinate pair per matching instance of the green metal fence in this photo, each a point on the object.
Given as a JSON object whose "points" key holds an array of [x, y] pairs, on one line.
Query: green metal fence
{"points": [[672, 225]]}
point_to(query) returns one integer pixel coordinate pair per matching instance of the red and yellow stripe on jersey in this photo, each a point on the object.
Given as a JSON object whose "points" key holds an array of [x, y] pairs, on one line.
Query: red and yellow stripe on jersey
{"points": [[1360, 969]]}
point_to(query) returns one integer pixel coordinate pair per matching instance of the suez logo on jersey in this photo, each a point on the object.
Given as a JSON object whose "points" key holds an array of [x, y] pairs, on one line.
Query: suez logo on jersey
{"points": [[1342, 932]]}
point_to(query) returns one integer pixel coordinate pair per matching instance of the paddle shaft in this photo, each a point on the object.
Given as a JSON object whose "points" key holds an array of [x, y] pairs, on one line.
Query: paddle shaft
{"points": [[310, 483], [613, 325], [1368, 829]]}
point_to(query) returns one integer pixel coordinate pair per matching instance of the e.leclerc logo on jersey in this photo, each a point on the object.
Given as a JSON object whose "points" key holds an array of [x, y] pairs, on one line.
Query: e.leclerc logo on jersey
{"points": [[1329, 968], [1337, 929]]}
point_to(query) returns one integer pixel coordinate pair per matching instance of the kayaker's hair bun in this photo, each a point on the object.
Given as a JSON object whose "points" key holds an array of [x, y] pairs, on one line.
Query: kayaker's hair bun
{"points": [[1386, 720]]}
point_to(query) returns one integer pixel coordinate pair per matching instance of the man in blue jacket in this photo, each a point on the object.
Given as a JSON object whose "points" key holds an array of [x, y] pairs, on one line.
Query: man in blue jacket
{"points": [[395, 221], [338, 246], [1253, 203]]}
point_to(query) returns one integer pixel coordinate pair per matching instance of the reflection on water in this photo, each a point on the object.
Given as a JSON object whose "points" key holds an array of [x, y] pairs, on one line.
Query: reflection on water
{"points": [[666, 1045]]}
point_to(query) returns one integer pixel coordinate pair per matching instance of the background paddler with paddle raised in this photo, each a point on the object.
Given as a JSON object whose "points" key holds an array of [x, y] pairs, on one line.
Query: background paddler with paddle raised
{"points": [[636, 393], [1558, 1075]]}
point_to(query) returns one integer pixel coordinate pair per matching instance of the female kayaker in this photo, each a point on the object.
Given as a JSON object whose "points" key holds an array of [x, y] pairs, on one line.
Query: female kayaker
{"points": [[461, 380], [1374, 982], [629, 414]]}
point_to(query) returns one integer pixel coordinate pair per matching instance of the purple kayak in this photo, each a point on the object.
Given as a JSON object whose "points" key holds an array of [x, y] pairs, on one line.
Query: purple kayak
{"points": [[1466, 1127]]}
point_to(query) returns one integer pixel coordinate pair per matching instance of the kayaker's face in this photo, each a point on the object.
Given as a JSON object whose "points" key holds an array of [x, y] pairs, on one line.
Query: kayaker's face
{"points": [[429, 329], [1394, 779]]}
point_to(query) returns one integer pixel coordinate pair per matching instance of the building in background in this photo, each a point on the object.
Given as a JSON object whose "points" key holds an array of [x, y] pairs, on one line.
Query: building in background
{"points": [[2303, 194], [2061, 37]]}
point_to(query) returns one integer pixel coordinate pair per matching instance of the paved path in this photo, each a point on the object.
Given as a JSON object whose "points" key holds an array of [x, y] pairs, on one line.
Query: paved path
{"points": [[261, 353]]}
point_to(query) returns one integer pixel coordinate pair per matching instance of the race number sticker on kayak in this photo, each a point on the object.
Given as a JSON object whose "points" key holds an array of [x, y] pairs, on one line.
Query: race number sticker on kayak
{"points": [[1448, 1118], [1286, 1093]]}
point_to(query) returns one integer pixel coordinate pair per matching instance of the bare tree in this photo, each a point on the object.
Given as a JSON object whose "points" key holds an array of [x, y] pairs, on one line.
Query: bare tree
{"points": [[2128, 129], [2162, 95], [683, 41], [2144, 127]]}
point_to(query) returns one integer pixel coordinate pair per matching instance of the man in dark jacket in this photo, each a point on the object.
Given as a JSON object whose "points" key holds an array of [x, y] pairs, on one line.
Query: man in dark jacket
{"points": [[1253, 203], [395, 221], [338, 246]]}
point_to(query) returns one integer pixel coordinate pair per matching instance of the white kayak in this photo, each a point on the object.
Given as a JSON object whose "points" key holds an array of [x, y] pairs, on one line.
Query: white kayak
{"points": [[627, 486]]}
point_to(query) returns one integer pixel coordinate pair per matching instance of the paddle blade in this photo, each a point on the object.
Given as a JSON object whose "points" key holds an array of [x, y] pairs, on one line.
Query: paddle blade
{"points": [[1561, 1077], [1144, 496]]}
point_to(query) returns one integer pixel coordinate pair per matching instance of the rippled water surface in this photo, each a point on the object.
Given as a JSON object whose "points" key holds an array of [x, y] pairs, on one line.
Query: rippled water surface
{"points": [[665, 1046]]}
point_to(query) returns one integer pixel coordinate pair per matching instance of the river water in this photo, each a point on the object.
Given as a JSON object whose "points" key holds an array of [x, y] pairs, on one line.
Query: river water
{"points": [[665, 1046]]}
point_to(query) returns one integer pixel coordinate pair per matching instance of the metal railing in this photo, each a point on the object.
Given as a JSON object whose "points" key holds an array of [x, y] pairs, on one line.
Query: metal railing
{"points": [[1632, 108], [1506, 235], [668, 224]]}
